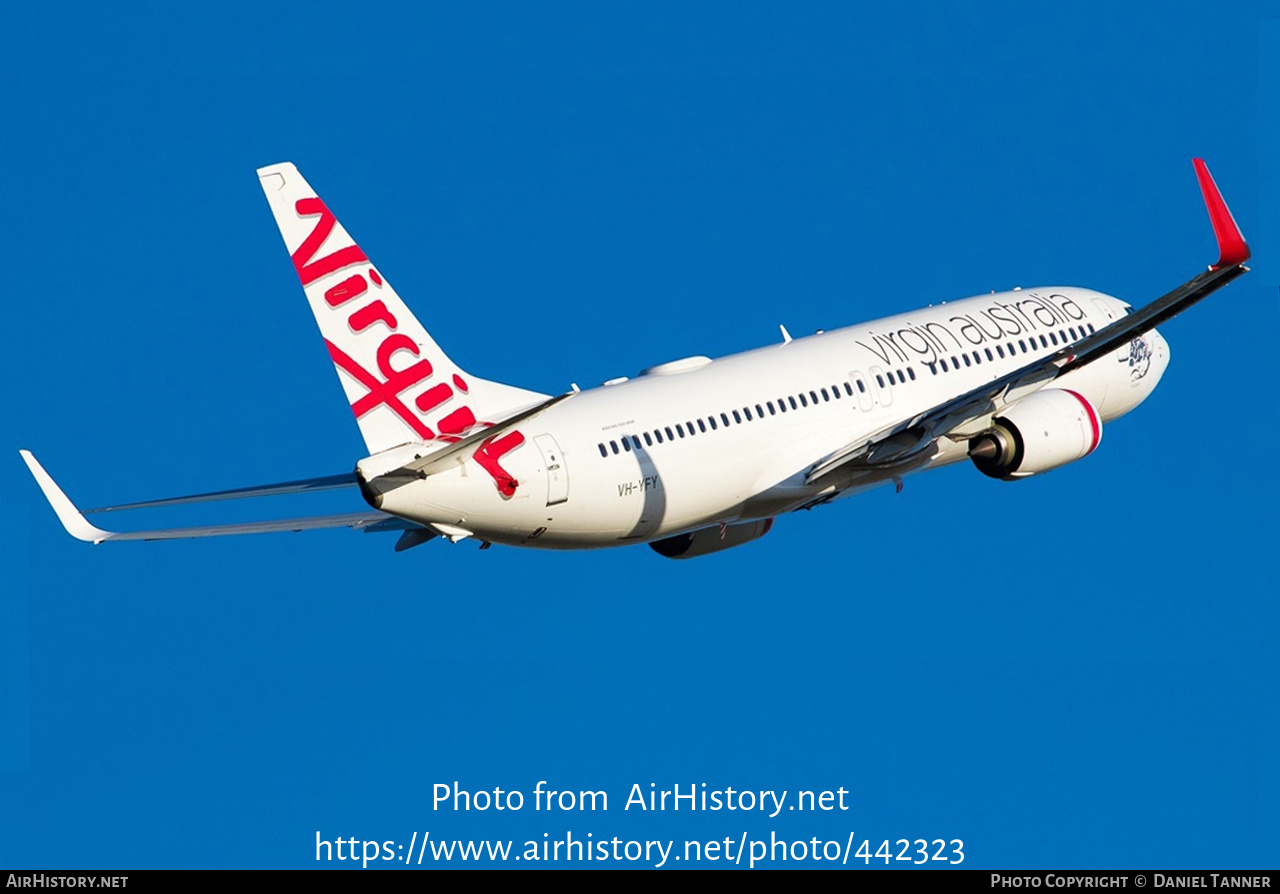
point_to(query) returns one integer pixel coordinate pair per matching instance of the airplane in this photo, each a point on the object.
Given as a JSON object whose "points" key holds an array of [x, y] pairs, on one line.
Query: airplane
{"points": [[694, 456]]}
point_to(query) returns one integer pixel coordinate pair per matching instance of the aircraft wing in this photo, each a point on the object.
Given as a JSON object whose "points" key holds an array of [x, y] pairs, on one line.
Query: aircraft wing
{"points": [[79, 527], [907, 440]]}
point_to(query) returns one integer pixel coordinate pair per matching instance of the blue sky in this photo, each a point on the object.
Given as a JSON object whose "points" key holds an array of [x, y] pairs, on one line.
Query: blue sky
{"points": [[1075, 670]]}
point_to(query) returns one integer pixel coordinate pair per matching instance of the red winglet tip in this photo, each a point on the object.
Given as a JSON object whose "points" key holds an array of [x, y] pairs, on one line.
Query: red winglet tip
{"points": [[1232, 249]]}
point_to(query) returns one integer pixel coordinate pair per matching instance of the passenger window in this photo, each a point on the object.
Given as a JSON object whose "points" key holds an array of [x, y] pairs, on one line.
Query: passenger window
{"points": [[803, 402], [944, 365], [966, 360], [725, 419], [680, 429], [746, 411], [1000, 352], [1044, 342], [613, 445], [862, 388], [911, 371], [603, 452], [793, 402], [759, 411], [737, 417], [848, 389], [702, 426], [626, 443], [772, 412], [670, 436], [657, 433], [813, 397], [712, 420], [1053, 338]]}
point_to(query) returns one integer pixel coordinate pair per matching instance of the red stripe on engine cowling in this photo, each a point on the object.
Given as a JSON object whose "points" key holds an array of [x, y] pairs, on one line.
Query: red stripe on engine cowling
{"points": [[1094, 422]]}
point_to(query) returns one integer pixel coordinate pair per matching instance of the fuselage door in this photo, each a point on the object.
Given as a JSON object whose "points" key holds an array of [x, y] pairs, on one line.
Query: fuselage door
{"points": [[557, 472], [860, 387], [884, 393]]}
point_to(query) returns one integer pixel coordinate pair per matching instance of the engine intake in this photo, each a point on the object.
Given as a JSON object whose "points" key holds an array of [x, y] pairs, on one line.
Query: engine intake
{"points": [[1043, 431]]}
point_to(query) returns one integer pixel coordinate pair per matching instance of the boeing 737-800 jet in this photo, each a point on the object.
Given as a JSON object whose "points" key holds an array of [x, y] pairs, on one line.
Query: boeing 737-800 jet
{"points": [[698, 455]]}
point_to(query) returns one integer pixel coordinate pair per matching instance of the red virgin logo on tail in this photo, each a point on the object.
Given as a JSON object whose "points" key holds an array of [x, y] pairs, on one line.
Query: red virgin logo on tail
{"points": [[309, 272], [395, 374], [385, 392]]}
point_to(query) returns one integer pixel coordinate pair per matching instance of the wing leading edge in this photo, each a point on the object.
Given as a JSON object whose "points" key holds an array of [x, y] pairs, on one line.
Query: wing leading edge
{"points": [[904, 442]]}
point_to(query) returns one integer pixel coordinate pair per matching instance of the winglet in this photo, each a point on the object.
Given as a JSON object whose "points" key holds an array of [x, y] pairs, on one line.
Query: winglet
{"points": [[1232, 249], [66, 511]]}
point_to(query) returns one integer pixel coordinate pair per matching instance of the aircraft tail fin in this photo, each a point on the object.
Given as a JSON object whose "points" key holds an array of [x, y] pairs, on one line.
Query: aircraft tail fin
{"points": [[401, 386]]}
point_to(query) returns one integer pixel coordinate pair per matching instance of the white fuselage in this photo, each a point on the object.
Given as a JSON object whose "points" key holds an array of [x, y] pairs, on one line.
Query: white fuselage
{"points": [[696, 442]]}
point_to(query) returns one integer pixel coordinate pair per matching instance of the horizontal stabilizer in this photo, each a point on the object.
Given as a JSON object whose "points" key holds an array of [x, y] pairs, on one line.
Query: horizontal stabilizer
{"points": [[375, 467], [467, 446]]}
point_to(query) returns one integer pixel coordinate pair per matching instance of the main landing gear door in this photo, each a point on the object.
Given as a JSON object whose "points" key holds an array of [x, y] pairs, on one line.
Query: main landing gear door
{"points": [[557, 473]]}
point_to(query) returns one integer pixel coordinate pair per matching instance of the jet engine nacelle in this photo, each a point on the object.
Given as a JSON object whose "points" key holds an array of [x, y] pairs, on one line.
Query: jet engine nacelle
{"points": [[711, 540], [1044, 430]]}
